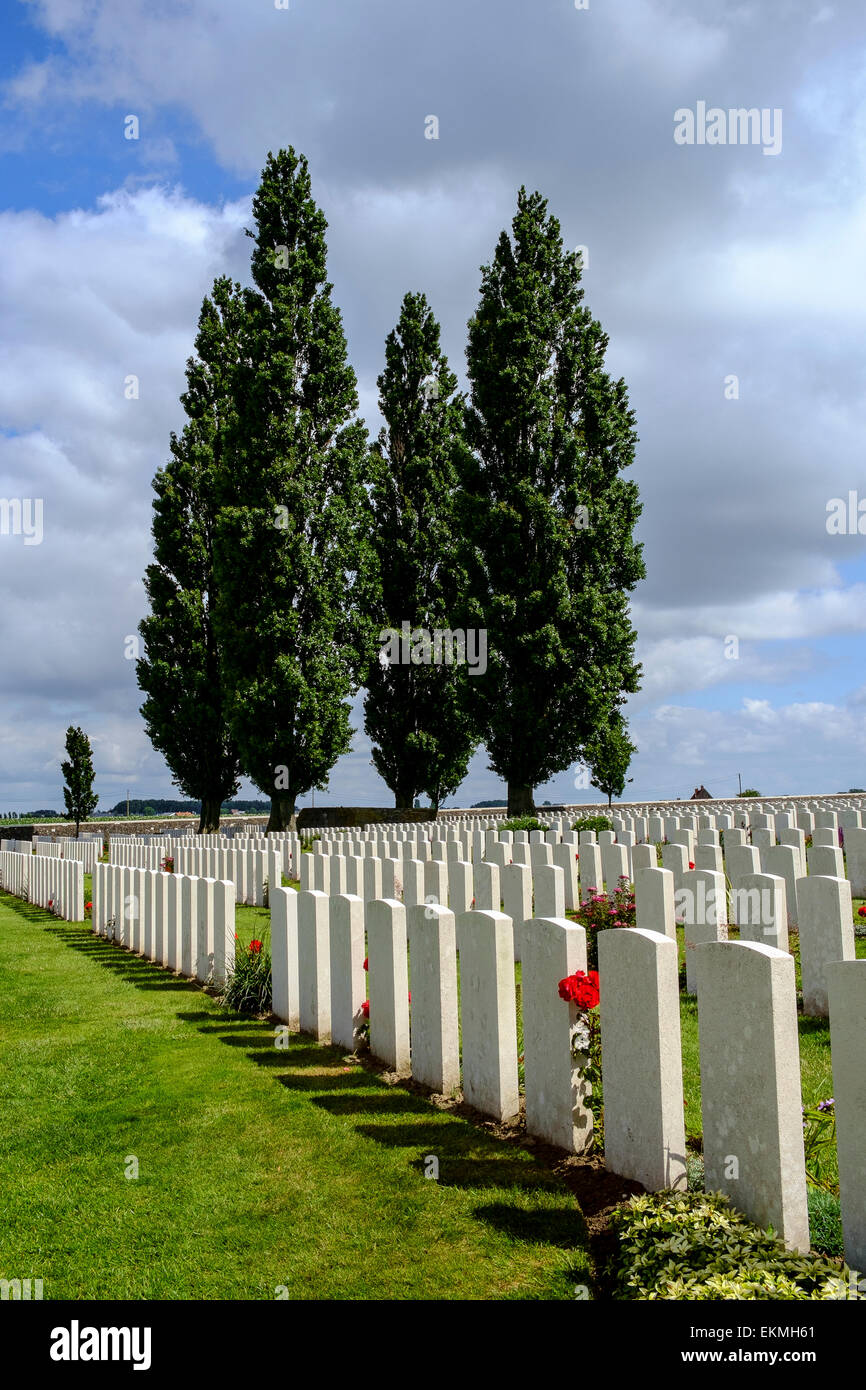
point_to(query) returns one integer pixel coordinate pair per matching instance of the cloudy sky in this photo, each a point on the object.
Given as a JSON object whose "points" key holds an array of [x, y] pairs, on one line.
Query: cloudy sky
{"points": [[729, 277]]}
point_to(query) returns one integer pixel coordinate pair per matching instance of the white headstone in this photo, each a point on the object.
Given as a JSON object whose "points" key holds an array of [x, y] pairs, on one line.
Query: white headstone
{"points": [[644, 1128], [348, 982], [826, 934], [314, 971], [654, 902], [750, 1084], [557, 1097], [488, 1009], [434, 1015], [389, 983], [846, 989]]}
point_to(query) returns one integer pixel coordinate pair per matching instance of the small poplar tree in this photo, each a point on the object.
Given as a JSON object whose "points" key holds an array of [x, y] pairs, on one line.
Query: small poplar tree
{"points": [[78, 794], [608, 757]]}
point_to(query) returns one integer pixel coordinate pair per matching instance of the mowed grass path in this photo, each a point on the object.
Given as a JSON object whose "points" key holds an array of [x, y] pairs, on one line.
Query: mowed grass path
{"points": [[259, 1169]]}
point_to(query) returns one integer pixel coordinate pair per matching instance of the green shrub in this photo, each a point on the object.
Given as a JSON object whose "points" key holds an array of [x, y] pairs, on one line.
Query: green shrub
{"points": [[248, 986], [307, 842], [522, 823], [693, 1246], [750, 791], [825, 1222], [595, 823], [600, 911]]}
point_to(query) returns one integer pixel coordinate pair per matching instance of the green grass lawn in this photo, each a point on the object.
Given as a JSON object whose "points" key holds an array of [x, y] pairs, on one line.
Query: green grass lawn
{"points": [[259, 1169]]}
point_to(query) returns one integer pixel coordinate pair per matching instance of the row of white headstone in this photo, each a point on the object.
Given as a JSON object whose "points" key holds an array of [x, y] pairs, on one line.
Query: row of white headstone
{"points": [[180, 921], [252, 871], [55, 884], [750, 1078], [758, 908], [503, 879], [697, 898], [87, 851]]}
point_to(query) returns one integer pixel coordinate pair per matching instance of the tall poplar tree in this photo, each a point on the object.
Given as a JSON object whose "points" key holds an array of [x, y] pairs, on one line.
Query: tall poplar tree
{"points": [[547, 515], [415, 711], [78, 794], [181, 672], [292, 610]]}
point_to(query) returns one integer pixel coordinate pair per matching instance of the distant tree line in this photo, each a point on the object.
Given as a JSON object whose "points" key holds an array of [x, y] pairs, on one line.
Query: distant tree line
{"points": [[156, 807]]}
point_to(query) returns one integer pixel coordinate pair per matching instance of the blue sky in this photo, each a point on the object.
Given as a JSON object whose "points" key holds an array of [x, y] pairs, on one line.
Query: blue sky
{"points": [[703, 262]]}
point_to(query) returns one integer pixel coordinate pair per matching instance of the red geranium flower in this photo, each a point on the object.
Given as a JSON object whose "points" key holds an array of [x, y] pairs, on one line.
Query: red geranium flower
{"points": [[410, 996], [366, 966], [88, 905], [691, 865], [365, 1008], [861, 911], [255, 947]]}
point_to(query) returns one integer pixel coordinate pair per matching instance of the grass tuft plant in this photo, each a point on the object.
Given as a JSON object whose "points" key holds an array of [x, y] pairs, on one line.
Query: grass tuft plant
{"points": [[248, 986]]}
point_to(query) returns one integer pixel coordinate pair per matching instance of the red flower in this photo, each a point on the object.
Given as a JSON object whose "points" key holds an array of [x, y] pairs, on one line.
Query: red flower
{"points": [[580, 989], [861, 911], [88, 905], [365, 1008], [50, 902], [255, 947], [410, 996], [691, 865], [366, 966]]}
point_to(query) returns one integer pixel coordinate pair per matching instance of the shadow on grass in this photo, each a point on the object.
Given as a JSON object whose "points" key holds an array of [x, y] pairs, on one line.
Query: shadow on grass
{"points": [[137, 970], [562, 1226], [469, 1158]]}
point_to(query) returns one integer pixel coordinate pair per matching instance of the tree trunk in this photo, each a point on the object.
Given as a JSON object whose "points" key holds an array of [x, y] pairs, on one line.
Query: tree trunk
{"points": [[404, 796], [209, 820], [520, 799], [77, 824], [282, 815]]}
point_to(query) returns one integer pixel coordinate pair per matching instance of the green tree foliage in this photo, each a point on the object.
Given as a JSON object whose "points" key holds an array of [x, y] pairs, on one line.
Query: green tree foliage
{"points": [[608, 757], [293, 614], [415, 711], [78, 794], [547, 515], [181, 673]]}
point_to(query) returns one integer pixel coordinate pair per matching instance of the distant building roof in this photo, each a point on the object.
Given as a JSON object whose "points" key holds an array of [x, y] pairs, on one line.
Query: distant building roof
{"points": [[700, 794]]}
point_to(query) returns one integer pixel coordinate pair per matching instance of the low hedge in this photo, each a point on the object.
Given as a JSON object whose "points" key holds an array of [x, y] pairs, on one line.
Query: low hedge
{"points": [[694, 1246], [522, 823], [595, 823]]}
